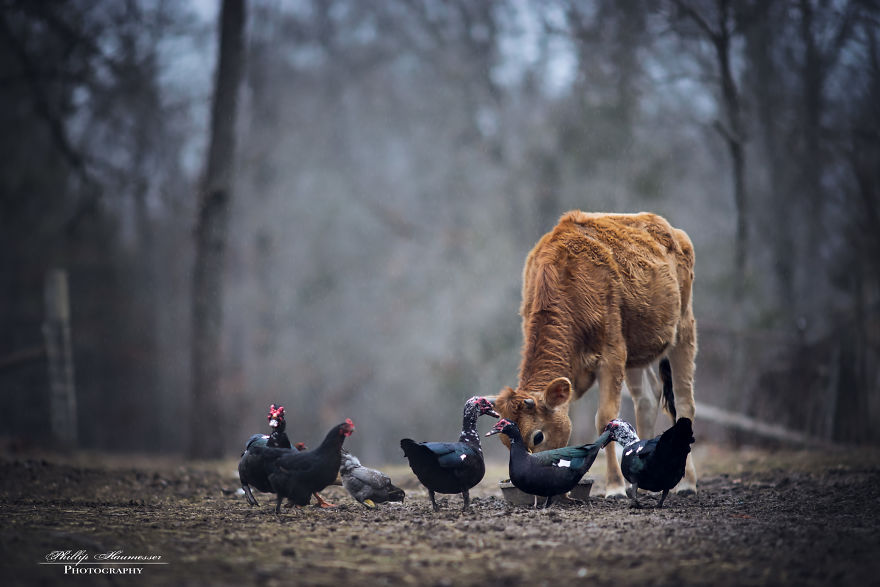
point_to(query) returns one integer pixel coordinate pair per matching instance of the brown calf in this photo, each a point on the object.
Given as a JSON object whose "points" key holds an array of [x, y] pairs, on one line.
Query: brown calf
{"points": [[604, 295]]}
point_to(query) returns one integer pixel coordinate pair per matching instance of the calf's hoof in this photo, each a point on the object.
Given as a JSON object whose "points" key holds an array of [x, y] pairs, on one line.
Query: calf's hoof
{"points": [[686, 489], [615, 493]]}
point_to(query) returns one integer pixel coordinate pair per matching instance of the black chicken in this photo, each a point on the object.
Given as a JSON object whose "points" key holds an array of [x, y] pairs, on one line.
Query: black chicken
{"points": [[301, 446], [368, 486], [451, 467], [550, 472], [293, 474], [656, 464]]}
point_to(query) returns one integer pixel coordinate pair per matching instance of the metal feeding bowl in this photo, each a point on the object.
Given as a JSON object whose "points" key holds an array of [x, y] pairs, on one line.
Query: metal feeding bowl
{"points": [[516, 496]]}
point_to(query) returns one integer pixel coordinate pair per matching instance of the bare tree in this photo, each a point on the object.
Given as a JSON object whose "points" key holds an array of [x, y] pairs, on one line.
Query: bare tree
{"points": [[211, 235], [718, 26]]}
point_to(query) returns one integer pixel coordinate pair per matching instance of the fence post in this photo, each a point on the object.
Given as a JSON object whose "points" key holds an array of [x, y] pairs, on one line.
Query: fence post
{"points": [[56, 330]]}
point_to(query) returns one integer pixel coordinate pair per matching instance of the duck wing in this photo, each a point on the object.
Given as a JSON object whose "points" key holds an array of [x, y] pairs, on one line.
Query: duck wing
{"points": [[452, 455], [637, 458], [576, 457], [256, 440]]}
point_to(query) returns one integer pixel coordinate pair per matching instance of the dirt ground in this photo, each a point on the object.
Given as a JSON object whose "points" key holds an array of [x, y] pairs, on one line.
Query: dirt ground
{"points": [[760, 518]]}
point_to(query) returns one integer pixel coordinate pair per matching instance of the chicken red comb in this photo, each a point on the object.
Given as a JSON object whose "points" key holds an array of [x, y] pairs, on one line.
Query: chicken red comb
{"points": [[277, 412], [347, 427]]}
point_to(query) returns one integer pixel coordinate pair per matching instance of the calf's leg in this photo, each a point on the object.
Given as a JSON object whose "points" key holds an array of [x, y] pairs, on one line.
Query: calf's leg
{"points": [[611, 374], [644, 402], [681, 359]]}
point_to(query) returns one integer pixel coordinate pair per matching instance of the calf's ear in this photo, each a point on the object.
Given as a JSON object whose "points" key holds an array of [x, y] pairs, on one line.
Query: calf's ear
{"points": [[558, 393]]}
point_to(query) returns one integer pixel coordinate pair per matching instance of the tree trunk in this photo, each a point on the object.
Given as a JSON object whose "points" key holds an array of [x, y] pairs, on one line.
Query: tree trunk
{"points": [[766, 95], [730, 125], [733, 132], [211, 229]]}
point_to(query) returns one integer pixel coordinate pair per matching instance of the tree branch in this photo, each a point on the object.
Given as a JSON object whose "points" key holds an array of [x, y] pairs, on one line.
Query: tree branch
{"points": [[43, 109], [691, 13]]}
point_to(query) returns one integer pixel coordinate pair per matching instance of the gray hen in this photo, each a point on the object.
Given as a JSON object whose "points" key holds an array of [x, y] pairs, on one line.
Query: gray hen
{"points": [[367, 486]]}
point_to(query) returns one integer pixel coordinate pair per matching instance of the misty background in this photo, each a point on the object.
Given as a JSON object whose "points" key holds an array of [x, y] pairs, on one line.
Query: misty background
{"points": [[395, 162]]}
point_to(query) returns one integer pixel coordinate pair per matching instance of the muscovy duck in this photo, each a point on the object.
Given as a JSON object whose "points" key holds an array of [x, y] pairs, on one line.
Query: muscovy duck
{"points": [[297, 475], [451, 467], [368, 486], [655, 464], [550, 472], [278, 438], [250, 471]]}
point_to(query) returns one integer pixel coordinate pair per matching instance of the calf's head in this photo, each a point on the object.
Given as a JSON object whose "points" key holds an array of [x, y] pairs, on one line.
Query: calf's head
{"points": [[542, 416]]}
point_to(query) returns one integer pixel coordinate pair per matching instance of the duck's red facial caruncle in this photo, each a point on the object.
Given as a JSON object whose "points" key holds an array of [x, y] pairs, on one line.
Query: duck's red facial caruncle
{"points": [[486, 408], [499, 427], [276, 415]]}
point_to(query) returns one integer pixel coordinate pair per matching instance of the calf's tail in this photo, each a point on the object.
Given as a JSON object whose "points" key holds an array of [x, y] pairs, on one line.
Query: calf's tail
{"points": [[667, 400]]}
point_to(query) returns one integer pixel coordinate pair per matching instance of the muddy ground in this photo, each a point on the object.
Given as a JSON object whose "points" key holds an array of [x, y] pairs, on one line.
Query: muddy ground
{"points": [[760, 518]]}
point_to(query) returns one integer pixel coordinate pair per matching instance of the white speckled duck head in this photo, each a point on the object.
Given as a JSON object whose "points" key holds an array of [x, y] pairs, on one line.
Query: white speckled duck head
{"points": [[480, 406], [474, 408], [622, 432]]}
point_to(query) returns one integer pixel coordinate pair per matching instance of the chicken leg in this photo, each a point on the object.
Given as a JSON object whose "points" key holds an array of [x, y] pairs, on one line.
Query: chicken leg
{"points": [[323, 503]]}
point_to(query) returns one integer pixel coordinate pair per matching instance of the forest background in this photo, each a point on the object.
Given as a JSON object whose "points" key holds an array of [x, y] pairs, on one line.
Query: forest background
{"points": [[395, 162]]}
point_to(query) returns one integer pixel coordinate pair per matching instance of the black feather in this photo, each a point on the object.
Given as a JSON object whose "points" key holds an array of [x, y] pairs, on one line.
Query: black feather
{"points": [[668, 397]]}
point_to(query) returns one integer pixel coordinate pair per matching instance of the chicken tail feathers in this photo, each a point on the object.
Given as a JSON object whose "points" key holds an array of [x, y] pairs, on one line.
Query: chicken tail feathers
{"points": [[667, 399]]}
